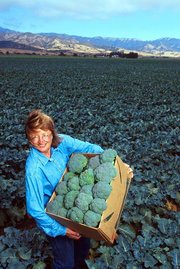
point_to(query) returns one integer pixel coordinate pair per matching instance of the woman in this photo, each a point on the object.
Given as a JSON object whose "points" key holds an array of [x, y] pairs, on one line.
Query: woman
{"points": [[45, 165]]}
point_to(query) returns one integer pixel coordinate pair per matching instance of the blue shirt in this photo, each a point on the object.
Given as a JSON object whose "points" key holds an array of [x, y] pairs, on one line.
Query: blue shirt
{"points": [[42, 176]]}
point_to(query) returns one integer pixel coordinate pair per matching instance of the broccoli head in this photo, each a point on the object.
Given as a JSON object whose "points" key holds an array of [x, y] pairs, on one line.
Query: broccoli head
{"points": [[76, 214], [68, 175], [91, 218], [62, 212], [98, 205], [52, 207], [94, 162], [108, 155], [73, 183], [83, 200], [102, 190], [87, 189], [77, 163], [61, 188], [70, 198], [59, 199], [86, 177], [105, 172]]}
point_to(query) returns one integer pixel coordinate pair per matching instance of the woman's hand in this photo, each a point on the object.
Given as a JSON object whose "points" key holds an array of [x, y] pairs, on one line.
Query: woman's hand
{"points": [[72, 234], [130, 171]]}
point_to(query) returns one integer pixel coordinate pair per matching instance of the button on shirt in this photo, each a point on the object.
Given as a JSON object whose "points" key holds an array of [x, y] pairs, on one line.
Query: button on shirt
{"points": [[42, 176]]}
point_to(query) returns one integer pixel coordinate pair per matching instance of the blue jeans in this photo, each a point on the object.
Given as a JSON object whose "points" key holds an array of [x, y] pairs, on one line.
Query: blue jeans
{"points": [[68, 253]]}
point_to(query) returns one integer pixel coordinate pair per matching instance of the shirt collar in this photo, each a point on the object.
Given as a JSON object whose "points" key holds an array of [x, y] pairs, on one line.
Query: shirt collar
{"points": [[43, 159]]}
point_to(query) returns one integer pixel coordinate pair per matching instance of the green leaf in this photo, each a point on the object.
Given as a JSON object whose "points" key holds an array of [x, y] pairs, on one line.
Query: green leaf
{"points": [[39, 265], [162, 258], [149, 261], [175, 255], [128, 230], [24, 254]]}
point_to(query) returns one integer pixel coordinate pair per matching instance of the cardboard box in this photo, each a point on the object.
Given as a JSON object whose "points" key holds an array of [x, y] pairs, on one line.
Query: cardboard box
{"points": [[110, 218]]}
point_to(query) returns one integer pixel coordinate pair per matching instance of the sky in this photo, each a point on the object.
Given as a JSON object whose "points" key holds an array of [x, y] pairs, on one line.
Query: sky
{"points": [[139, 19]]}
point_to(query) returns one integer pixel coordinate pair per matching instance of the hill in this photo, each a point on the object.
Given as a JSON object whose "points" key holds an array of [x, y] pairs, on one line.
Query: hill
{"points": [[63, 43]]}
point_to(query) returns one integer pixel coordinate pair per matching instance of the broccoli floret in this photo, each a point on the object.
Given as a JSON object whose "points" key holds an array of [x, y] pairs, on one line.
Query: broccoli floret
{"points": [[91, 218], [108, 155], [73, 183], [59, 199], [52, 207], [87, 189], [86, 177], [94, 162], [62, 212], [70, 198], [76, 214], [68, 175], [105, 172], [98, 205], [61, 188], [83, 200], [102, 190], [77, 163]]}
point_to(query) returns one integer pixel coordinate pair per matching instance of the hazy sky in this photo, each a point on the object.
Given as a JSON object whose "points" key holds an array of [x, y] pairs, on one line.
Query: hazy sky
{"points": [[141, 19]]}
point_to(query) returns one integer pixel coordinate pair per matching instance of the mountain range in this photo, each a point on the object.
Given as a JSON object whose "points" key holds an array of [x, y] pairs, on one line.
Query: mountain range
{"points": [[56, 43]]}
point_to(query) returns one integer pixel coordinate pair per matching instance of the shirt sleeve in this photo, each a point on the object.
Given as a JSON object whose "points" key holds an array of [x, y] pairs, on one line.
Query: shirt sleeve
{"points": [[35, 206], [75, 145]]}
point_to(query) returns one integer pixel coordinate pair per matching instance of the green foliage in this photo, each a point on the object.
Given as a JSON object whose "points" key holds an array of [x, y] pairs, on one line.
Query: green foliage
{"points": [[137, 115], [23, 249], [77, 163]]}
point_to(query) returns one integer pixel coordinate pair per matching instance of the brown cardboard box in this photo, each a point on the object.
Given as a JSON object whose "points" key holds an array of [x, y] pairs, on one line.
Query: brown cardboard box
{"points": [[110, 218]]}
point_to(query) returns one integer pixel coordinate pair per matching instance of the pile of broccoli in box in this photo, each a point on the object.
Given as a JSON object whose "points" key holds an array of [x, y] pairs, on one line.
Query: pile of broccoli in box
{"points": [[91, 194]]}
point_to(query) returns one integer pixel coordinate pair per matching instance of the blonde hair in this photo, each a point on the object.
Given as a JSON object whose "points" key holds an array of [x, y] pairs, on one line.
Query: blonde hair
{"points": [[39, 120]]}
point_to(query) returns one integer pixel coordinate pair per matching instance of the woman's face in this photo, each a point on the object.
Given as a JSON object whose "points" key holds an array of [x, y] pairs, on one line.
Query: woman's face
{"points": [[41, 140]]}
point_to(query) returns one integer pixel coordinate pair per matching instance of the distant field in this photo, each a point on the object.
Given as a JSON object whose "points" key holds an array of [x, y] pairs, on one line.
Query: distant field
{"points": [[131, 105]]}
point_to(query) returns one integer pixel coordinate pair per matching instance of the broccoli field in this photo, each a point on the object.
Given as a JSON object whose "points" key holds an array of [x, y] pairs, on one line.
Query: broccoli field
{"points": [[131, 105]]}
